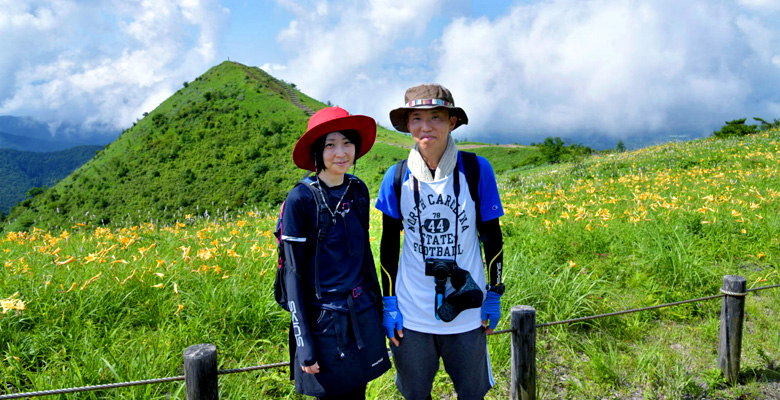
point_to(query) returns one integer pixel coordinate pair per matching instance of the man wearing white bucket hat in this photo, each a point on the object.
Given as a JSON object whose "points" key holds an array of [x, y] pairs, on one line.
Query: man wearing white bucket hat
{"points": [[438, 302]]}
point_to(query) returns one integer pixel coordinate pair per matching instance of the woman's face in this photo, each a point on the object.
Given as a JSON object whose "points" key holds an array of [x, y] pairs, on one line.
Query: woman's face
{"points": [[338, 154]]}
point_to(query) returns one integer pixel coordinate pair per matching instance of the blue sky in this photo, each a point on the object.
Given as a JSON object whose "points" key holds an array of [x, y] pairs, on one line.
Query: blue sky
{"points": [[639, 70]]}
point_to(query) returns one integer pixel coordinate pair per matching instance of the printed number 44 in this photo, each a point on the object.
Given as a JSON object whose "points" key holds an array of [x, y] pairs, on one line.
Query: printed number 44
{"points": [[438, 225]]}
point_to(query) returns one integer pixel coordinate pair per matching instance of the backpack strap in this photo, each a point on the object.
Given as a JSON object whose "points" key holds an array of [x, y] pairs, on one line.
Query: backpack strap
{"points": [[321, 227], [400, 171], [360, 196], [471, 170]]}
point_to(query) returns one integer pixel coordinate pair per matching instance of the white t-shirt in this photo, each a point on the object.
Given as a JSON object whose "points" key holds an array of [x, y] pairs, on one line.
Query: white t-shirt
{"points": [[438, 206]]}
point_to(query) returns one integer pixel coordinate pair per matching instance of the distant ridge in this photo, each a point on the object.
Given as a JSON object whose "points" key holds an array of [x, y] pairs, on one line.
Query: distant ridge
{"points": [[22, 170], [24, 143], [29, 134], [33, 144]]}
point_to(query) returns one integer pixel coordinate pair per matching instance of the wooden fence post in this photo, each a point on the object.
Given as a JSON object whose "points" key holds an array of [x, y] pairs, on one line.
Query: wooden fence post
{"points": [[523, 321], [732, 315], [200, 372]]}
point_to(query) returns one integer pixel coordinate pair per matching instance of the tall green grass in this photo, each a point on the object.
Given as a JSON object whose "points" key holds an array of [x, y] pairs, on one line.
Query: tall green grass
{"points": [[94, 305]]}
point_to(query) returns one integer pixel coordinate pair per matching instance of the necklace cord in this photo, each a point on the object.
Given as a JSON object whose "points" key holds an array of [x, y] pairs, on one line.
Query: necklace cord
{"points": [[325, 201]]}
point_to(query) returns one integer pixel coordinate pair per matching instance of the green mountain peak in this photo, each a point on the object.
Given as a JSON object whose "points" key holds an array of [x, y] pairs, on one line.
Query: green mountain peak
{"points": [[221, 142]]}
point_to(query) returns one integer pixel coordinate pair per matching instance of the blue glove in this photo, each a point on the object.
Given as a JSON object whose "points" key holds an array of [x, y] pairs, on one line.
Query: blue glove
{"points": [[391, 317], [491, 309]]}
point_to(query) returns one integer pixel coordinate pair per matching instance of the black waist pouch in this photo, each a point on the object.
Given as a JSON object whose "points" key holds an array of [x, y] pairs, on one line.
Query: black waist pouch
{"points": [[350, 345]]}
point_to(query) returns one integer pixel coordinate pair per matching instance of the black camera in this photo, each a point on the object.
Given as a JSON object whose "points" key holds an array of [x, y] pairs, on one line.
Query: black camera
{"points": [[466, 295], [439, 268]]}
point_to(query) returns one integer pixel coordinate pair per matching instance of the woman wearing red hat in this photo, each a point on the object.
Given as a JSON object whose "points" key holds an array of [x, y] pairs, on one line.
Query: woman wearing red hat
{"points": [[337, 341]]}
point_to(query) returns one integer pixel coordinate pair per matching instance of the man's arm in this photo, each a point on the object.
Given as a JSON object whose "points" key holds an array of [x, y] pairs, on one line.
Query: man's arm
{"points": [[388, 253], [494, 250], [494, 253], [392, 320]]}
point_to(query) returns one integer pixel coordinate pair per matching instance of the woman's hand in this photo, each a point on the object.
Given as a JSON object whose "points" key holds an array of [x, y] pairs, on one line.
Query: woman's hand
{"points": [[312, 369]]}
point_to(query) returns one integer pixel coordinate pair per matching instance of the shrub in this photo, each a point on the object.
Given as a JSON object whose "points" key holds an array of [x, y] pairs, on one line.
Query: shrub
{"points": [[552, 149], [34, 191], [768, 125], [736, 127]]}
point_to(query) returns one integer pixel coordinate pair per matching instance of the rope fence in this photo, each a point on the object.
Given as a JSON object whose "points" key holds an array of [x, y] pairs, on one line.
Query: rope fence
{"points": [[523, 374], [255, 368], [91, 388], [612, 314]]}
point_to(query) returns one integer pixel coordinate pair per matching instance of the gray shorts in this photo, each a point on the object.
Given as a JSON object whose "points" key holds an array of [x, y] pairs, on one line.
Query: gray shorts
{"points": [[465, 359]]}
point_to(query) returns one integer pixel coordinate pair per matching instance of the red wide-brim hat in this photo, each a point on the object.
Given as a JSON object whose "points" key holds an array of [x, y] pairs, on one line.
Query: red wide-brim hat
{"points": [[333, 119]]}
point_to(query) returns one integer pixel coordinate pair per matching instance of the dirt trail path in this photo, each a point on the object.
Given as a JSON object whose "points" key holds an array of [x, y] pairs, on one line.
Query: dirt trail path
{"points": [[292, 97]]}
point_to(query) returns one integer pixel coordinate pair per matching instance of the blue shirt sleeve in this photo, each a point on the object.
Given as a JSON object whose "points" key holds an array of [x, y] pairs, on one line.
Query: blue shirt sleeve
{"points": [[386, 200], [490, 201]]}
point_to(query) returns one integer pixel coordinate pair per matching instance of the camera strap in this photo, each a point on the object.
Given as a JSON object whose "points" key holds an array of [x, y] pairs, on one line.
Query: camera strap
{"points": [[440, 284]]}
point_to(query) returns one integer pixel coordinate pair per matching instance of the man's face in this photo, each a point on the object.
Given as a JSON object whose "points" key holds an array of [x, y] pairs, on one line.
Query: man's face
{"points": [[430, 127]]}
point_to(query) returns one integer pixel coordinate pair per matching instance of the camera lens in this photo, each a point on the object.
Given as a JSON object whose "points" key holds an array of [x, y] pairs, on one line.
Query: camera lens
{"points": [[441, 270]]}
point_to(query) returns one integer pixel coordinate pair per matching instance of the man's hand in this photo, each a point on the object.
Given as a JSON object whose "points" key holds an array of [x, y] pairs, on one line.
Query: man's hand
{"points": [[491, 311], [392, 319], [312, 369]]}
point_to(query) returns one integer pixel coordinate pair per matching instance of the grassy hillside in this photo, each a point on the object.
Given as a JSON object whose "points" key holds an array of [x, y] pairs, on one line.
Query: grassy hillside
{"points": [[93, 305], [504, 158], [222, 142], [657, 225], [22, 170]]}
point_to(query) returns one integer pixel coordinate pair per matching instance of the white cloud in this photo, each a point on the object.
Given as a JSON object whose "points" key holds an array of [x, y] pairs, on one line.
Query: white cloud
{"points": [[570, 67], [761, 39], [543, 68], [559, 67], [341, 53], [103, 61]]}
